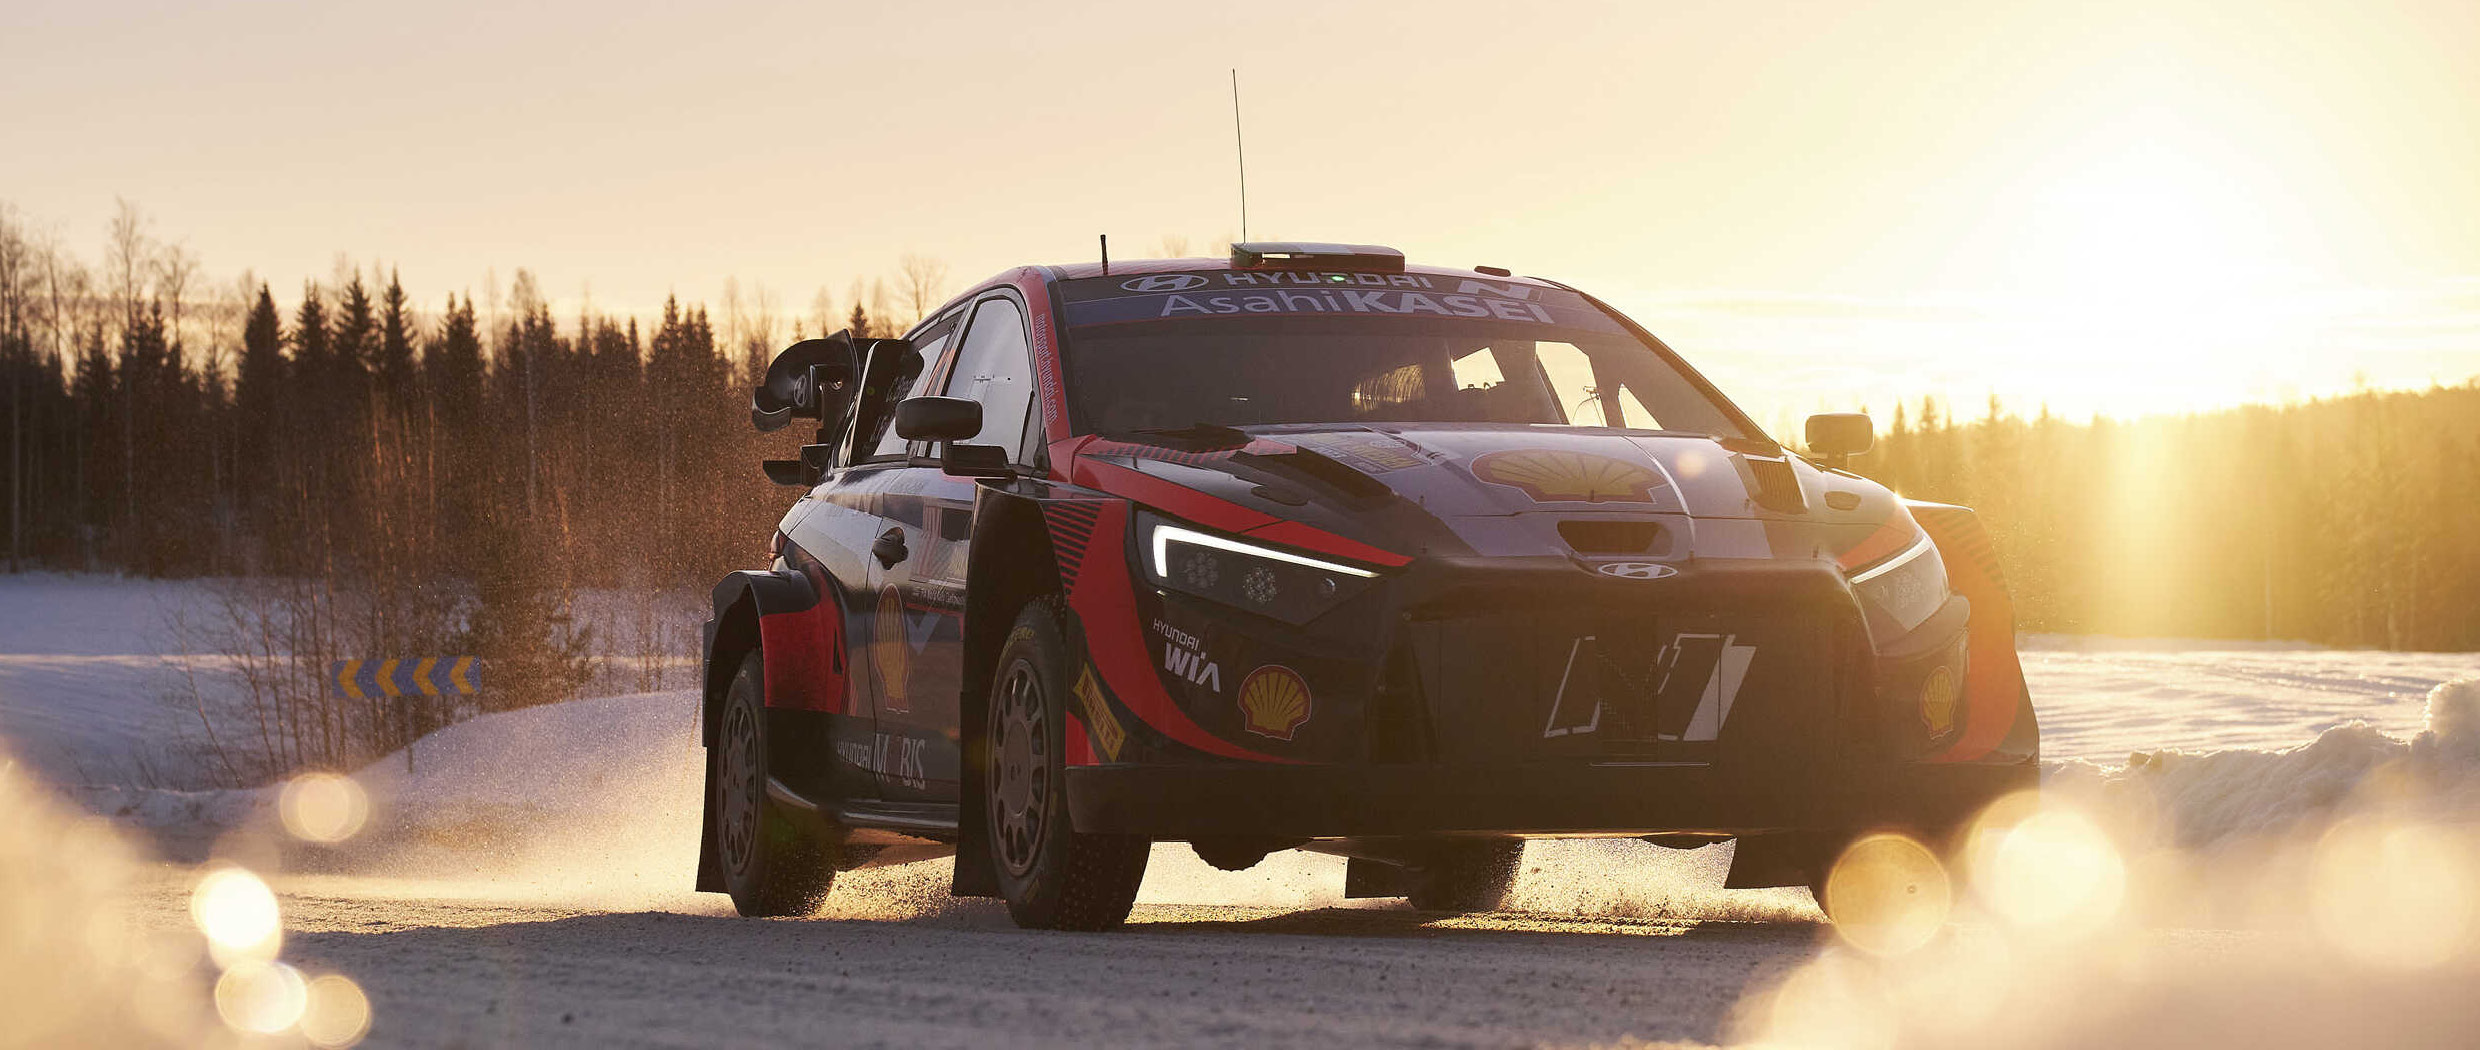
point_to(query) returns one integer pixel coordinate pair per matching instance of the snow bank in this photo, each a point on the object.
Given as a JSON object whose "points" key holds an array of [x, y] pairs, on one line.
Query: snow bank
{"points": [[2100, 706], [592, 801], [2453, 733], [2355, 859], [2206, 798]]}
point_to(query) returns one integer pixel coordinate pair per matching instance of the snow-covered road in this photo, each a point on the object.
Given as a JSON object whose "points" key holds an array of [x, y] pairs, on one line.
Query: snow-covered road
{"points": [[477, 974]]}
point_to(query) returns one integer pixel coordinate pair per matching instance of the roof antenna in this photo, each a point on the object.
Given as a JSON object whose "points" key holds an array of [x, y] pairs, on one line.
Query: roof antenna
{"points": [[1241, 147], [1106, 254]]}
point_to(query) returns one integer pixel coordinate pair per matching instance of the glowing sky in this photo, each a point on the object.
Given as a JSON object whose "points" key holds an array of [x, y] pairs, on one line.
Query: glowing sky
{"points": [[2106, 206]]}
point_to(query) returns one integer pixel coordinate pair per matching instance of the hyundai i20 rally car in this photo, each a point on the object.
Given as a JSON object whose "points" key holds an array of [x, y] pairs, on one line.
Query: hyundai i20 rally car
{"points": [[1309, 548]]}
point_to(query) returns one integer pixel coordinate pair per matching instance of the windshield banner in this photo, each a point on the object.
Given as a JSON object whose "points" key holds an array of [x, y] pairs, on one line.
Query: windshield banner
{"points": [[1293, 293]]}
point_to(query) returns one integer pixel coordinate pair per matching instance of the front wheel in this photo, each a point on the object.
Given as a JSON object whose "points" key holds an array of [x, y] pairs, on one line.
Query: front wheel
{"points": [[1052, 877], [770, 866]]}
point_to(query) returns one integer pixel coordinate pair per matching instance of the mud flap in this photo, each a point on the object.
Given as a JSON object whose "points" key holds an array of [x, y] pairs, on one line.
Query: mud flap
{"points": [[1783, 859], [1363, 877], [977, 875], [709, 866]]}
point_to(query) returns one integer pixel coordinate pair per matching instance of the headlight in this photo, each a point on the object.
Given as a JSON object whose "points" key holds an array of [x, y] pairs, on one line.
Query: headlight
{"points": [[1908, 587], [1269, 581]]}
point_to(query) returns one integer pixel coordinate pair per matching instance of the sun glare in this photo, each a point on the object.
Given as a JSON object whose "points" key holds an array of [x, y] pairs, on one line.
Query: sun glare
{"points": [[2144, 270]]}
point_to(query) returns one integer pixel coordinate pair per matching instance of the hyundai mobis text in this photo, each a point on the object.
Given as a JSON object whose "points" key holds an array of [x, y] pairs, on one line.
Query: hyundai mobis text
{"points": [[1308, 548]]}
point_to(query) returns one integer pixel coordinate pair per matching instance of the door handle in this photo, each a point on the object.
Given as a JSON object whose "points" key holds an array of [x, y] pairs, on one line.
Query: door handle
{"points": [[890, 548]]}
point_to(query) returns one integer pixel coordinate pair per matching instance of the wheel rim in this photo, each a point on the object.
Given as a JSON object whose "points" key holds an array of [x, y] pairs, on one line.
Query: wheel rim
{"points": [[739, 818], [1019, 773]]}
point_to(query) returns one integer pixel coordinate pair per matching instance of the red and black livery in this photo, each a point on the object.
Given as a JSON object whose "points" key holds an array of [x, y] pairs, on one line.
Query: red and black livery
{"points": [[1309, 548]]}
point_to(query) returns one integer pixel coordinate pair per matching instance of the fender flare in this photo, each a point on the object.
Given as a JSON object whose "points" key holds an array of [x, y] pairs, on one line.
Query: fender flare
{"points": [[739, 600], [1999, 722]]}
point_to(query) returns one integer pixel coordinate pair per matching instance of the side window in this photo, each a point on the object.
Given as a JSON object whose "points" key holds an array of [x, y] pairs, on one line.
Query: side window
{"points": [[888, 443], [994, 366]]}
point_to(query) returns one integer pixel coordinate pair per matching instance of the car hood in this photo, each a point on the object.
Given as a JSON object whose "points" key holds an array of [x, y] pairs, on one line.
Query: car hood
{"points": [[1508, 489]]}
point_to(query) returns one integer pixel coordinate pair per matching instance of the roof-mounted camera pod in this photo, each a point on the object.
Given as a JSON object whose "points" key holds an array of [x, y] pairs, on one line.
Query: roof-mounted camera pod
{"points": [[1306, 255], [828, 379]]}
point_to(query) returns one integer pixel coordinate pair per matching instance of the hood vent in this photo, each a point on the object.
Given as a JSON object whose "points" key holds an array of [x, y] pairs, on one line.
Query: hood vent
{"points": [[1777, 486], [1612, 536], [1303, 465]]}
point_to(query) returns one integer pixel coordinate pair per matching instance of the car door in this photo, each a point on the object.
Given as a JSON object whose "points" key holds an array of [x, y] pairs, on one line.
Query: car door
{"points": [[917, 651], [827, 743], [836, 530]]}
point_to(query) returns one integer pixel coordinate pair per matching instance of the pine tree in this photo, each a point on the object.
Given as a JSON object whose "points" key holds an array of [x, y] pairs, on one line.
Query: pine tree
{"points": [[258, 386], [393, 373], [453, 368], [313, 364], [355, 344]]}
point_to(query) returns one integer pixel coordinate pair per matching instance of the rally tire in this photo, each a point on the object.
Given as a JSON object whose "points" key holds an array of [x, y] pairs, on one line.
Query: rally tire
{"points": [[770, 865], [1466, 877], [1052, 877]]}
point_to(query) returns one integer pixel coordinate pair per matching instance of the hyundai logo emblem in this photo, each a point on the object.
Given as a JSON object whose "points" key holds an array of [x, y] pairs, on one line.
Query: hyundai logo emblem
{"points": [[1635, 570], [1163, 282]]}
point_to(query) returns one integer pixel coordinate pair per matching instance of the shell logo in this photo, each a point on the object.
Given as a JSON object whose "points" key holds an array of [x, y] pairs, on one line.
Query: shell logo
{"points": [[1552, 475], [1274, 701], [890, 652], [1937, 701]]}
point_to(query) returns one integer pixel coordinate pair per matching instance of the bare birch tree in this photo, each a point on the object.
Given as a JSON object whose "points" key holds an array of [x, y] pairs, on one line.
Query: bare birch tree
{"points": [[922, 281]]}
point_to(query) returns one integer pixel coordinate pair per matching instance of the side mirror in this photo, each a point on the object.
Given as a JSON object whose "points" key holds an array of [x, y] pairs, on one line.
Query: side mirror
{"points": [[1838, 436], [938, 418], [951, 421]]}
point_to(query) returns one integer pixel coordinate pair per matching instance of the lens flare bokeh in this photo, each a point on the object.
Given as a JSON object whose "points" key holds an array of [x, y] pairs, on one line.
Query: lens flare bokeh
{"points": [[239, 916], [323, 807], [2394, 896], [336, 1013], [261, 997], [2044, 866], [1888, 894]]}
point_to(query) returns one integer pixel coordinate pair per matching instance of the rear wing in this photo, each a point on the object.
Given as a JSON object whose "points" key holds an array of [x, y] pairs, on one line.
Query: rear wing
{"points": [[838, 380]]}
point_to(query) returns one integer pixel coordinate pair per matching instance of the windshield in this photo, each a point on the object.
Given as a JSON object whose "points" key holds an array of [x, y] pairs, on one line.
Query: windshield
{"points": [[1171, 351]]}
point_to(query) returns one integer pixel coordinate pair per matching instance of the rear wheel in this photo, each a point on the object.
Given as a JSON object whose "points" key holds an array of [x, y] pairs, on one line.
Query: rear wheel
{"points": [[770, 866], [1052, 876], [1466, 876]]}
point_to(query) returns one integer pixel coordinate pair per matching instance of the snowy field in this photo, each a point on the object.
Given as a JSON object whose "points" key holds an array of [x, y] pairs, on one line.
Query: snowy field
{"points": [[102, 678], [2251, 841]]}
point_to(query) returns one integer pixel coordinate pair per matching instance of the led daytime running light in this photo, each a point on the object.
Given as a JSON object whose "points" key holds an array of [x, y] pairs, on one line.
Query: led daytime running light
{"points": [[1896, 562], [1164, 534]]}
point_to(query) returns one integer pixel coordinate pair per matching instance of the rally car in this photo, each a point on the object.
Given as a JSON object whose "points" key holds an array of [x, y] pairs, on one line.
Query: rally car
{"points": [[1310, 548]]}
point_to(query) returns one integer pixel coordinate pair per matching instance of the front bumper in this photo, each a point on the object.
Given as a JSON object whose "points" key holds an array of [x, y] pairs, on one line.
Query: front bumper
{"points": [[1545, 798]]}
